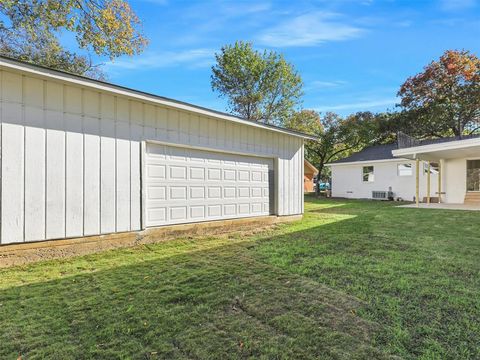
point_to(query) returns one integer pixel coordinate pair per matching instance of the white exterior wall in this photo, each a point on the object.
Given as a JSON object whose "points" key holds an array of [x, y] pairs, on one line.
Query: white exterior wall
{"points": [[454, 180], [347, 180], [71, 156]]}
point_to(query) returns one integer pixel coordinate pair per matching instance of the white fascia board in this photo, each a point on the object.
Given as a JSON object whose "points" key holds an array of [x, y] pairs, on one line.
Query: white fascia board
{"points": [[367, 162], [451, 145], [137, 94]]}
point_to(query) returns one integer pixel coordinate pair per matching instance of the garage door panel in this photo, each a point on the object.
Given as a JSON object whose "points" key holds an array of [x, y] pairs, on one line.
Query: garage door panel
{"points": [[197, 192], [230, 209], [215, 210], [214, 174], [156, 171], [178, 192], [197, 173], [243, 175], [157, 214], [157, 192], [197, 212], [229, 192], [178, 213], [177, 172], [243, 209], [186, 185], [257, 208]]}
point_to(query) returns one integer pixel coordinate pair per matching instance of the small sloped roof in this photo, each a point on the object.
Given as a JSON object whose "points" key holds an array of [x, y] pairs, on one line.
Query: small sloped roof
{"points": [[308, 164]]}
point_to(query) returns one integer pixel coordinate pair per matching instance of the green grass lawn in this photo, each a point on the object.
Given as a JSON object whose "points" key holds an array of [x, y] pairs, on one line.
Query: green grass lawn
{"points": [[354, 279]]}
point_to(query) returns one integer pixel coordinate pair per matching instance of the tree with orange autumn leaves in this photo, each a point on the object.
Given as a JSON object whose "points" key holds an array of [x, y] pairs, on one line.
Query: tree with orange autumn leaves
{"points": [[30, 31], [444, 99]]}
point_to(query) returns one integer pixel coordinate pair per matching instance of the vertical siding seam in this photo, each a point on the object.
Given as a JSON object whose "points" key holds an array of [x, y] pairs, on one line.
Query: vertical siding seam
{"points": [[64, 90], [115, 161], [1, 153], [139, 146], [130, 159], [24, 154], [99, 95], [46, 157], [82, 105]]}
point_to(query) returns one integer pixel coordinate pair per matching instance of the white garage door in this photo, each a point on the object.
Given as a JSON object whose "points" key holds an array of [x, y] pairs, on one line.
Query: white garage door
{"points": [[189, 185]]}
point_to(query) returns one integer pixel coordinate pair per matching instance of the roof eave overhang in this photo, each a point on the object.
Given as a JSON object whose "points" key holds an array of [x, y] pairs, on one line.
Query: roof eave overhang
{"points": [[44, 72]]}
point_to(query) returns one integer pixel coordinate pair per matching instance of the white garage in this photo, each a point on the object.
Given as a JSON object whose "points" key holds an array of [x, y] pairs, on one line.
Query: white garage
{"points": [[81, 157], [188, 185]]}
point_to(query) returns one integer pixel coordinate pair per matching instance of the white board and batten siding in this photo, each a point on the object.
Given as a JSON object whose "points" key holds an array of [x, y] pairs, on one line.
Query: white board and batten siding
{"points": [[71, 156]]}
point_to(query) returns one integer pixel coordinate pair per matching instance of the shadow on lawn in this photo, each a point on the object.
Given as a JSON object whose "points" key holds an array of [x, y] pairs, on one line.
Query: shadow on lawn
{"points": [[267, 296], [220, 302]]}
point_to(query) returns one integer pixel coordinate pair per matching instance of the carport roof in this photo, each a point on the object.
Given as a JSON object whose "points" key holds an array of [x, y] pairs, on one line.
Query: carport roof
{"points": [[14, 64], [448, 148]]}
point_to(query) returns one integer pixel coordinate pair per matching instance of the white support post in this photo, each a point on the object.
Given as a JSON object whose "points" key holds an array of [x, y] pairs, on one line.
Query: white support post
{"points": [[428, 183], [417, 185], [439, 181]]}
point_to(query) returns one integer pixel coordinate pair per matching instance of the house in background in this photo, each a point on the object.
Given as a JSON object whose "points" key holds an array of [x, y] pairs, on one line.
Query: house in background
{"points": [[459, 170], [374, 171], [309, 174], [81, 157]]}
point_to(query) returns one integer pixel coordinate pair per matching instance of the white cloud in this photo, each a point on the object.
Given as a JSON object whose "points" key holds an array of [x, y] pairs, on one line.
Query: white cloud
{"points": [[358, 106], [454, 5], [403, 23], [309, 30], [190, 58], [319, 84], [233, 9]]}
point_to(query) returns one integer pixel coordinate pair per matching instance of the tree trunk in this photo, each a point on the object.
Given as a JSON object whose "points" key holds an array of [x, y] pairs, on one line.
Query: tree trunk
{"points": [[317, 186]]}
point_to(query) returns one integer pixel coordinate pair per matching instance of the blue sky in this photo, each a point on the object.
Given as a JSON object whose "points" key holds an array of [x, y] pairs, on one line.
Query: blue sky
{"points": [[352, 55]]}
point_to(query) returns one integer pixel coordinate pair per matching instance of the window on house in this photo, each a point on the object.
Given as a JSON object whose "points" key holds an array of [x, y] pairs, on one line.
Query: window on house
{"points": [[368, 175], [405, 169]]}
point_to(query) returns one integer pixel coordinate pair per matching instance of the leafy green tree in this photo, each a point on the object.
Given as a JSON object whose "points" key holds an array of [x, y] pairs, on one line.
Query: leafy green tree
{"points": [[259, 86], [46, 51], [443, 99], [29, 31], [337, 137]]}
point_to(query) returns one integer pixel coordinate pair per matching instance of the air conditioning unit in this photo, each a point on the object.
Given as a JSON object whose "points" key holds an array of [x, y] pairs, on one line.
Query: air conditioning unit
{"points": [[382, 195]]}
